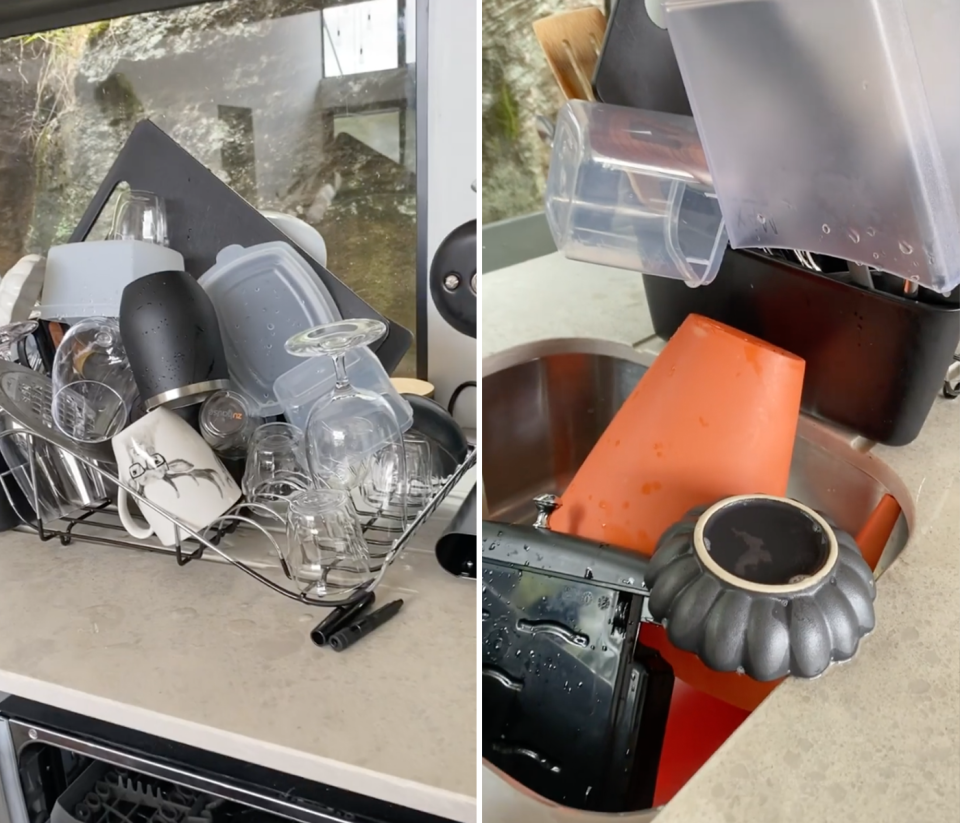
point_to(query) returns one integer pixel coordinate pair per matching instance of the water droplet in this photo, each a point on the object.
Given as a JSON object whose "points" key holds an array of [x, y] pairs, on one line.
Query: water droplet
{"points": [[854, 235], [871, 231], [762, 220], [906, 248], [270, 327], [826, 228], [876, 256]]}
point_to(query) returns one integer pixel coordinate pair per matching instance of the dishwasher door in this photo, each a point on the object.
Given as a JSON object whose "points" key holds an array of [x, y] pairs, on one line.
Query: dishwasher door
{"points": [[43, 750]]}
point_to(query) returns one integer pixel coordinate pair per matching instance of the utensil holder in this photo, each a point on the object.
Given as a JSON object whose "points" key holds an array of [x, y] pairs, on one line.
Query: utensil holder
{"points": [[874, 362]]}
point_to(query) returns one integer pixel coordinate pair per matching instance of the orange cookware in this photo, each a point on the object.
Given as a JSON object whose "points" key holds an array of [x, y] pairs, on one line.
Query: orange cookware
{"points": [[714, 416]]}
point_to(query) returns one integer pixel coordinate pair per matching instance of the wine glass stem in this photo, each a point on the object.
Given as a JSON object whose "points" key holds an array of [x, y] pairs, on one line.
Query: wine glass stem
{"points": [[341, 369]]}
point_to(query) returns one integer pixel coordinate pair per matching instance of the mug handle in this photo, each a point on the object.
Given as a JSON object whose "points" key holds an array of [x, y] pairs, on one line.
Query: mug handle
{"points": [[127, 519]]}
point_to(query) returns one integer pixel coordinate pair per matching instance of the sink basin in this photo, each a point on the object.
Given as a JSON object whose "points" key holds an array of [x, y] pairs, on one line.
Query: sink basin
{"points": [[546, 404]]}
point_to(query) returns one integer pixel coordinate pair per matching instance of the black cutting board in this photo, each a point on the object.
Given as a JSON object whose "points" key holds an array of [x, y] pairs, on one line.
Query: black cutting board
{"points": [[205, 215], [637, 66]]}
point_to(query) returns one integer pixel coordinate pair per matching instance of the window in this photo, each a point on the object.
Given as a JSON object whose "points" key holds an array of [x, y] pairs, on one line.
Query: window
{"points": [[301, 106], [521, 99]]}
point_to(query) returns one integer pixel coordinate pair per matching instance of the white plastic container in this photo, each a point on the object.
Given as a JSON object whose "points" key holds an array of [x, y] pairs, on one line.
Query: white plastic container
{"points": [[87, 279], [831, 127], [264, 295], [631, 189], [300, 388]]}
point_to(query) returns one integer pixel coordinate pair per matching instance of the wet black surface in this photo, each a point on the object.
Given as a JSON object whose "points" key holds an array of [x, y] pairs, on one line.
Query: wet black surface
{"points": [[766, 541]]}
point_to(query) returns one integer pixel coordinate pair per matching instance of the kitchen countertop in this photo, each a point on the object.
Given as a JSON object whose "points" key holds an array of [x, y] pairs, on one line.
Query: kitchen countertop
{"points": [[205, 656], [874, 740]]}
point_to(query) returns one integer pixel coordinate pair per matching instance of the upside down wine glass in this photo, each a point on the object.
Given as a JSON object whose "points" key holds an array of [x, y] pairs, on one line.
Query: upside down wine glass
{"points": [[349, 427]]}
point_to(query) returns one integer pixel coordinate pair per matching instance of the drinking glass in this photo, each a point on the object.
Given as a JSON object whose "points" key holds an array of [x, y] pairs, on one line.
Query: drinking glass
{"points": [[140, 215], [326, 550], [93, 385], [276, 465], [227, 424], [349, 426], [387, 485]]}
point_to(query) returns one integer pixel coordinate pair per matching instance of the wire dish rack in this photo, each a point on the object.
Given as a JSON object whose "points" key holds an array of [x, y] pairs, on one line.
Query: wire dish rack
{"points": [[386, 533]]}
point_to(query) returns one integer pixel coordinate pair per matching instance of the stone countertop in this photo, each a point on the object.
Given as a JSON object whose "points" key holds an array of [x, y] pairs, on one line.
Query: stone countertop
{"points": [[205, 656], [875, 740]]}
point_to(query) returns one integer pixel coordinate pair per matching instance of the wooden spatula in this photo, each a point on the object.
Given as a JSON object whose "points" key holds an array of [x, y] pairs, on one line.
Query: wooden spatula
{"points": [[571, 41]]}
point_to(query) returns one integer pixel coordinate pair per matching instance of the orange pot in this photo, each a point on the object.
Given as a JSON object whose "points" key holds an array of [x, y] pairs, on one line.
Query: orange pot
{"points": [[873, 536], [715, 416]]}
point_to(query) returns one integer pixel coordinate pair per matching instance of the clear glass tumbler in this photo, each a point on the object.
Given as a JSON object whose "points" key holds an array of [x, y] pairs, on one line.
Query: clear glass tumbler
{"points": [[140, 215], [389, 486], [326, 551], [276, 464]]}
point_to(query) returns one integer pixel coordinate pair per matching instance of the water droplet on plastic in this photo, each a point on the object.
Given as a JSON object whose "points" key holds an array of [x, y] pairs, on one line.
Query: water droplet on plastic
{"points": [[762, 219], [871, 232], [906, 248], [876, 256], [270, 327], [826, 228], [854, 235]]}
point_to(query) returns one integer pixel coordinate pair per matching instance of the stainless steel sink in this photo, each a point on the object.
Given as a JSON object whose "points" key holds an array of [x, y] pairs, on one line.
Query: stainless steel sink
{"points": [[545, 405]]}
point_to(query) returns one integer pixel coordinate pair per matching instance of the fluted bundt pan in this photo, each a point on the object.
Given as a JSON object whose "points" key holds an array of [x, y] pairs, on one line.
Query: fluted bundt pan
{"points": [[761, 585]]}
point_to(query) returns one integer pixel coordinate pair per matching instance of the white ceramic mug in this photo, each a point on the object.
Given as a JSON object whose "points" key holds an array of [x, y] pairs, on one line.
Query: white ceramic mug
{"points": [[168, 463]]}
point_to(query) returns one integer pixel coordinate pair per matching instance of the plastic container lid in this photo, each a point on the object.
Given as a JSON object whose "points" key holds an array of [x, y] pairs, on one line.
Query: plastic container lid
{"points": [[631, 189], [264, 295], [300, 388], [831, 127]]}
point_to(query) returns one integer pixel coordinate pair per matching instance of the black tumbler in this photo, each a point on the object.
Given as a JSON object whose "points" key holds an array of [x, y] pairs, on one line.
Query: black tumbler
{"points": [[170, 331]]}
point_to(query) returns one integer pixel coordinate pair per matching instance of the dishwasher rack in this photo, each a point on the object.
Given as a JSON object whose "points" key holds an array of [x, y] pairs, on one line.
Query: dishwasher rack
{"points": [[47, 753], [98, 524]]}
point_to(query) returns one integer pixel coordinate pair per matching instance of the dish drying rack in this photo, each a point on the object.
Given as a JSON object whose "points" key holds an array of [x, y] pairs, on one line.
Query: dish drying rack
{"points": [[96, 524]]}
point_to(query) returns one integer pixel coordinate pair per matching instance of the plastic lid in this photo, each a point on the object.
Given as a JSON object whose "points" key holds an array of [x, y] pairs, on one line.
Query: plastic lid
{"points": [[831, 127], [263, 296]]}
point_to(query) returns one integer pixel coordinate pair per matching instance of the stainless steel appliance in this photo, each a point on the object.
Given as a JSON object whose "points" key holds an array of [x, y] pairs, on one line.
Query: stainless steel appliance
{"points": [[44, 752]]}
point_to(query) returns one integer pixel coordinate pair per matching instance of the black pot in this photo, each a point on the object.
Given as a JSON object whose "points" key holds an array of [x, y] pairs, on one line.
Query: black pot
{"points": [[170, 331]]}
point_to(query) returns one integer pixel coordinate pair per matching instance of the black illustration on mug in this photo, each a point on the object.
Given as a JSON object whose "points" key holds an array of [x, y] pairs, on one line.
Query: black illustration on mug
{"points": [[149, 466]]}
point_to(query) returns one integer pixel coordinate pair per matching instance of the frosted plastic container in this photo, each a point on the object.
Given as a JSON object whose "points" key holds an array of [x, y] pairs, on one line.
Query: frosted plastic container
{"points": [[299, 389], [831, 126], [87, 279], [263, 296], [631, 189]]}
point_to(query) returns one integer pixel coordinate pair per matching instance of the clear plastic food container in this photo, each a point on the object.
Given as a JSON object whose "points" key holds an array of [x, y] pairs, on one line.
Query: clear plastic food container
{"points": [[263, 296], [631, 189], [300, 388], [831, 127]]}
